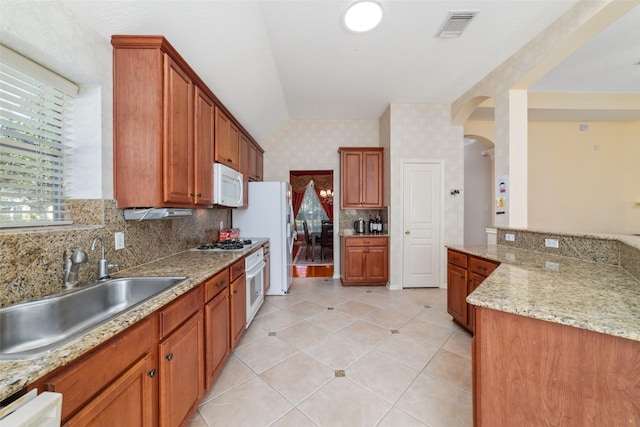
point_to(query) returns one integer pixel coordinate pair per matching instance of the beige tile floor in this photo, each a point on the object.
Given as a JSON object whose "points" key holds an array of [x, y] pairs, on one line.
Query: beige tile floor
{"points": [[330, 356]]}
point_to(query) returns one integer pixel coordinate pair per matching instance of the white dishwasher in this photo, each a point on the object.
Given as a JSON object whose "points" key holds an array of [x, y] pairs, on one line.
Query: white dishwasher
{"points": [[33, 410]]}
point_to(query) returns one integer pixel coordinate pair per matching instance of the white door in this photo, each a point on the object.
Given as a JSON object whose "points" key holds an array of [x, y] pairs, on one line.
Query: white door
{"points": [[422, 195]]}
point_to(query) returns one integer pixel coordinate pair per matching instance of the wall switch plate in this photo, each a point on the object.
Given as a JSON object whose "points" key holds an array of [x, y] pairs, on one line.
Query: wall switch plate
{"points": [[510, 237], [119, 240], [551, 243]]}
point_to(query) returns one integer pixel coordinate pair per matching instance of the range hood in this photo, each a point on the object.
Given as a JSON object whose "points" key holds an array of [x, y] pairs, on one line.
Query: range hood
{"points": [[139, 214]]}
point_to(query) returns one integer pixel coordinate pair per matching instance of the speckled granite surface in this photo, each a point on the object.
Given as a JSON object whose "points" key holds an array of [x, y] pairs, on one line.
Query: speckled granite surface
{"points": [[597, 297], [198, 266]]}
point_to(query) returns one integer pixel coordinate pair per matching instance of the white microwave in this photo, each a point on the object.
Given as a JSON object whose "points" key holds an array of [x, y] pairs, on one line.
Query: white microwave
{"points": [[227, 186]]}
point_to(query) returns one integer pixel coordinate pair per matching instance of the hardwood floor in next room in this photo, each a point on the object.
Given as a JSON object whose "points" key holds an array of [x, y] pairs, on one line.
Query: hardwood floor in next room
{"points": [[329, 356]]}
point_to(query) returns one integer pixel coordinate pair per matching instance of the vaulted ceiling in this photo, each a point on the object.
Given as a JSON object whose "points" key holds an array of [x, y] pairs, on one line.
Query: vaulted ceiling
{"points": [[271, 61]]}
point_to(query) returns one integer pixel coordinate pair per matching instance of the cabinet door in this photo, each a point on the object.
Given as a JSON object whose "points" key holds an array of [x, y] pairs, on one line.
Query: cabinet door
{"points": [[238, 294], [377, 261], [203, 149], [227, 144], [181, 371], [177, 145], [218, 340], [353, 264], [457, 293], [259, 165], [126, 402], [372, 179], [351, 180]]}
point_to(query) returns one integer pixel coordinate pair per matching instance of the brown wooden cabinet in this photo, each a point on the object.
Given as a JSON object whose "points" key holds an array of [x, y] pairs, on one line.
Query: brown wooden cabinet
{"points": [[181, 358], [238, 298], [163, 127], [532, 372], [361, 177], [129, 401], [365, 261], [121, 370], [217, 325], [464, 274], [227, 146]]}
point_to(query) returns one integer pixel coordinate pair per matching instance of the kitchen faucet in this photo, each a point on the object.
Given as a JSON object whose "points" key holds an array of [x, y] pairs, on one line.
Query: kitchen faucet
{"points": [[103, 264], [72, 263]]}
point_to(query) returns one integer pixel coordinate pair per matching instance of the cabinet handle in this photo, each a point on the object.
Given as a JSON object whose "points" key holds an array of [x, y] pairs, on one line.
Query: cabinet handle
{"points": [[152, 373], [230, 160], [235, 292], [169, 356], [192, 194], [222, 282], [199, 194], [462, 277]]}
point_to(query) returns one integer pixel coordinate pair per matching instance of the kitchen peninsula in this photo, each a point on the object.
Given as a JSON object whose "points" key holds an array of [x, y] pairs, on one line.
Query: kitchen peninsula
{"points": [[557, 338]]}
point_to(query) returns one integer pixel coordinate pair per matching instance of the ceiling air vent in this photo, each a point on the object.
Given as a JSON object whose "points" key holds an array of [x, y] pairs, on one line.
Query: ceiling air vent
{"points": [[455, 24]]}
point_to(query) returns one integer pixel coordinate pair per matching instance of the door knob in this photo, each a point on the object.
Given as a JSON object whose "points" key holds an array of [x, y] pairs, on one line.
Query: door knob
{"points": [[407, 232]]}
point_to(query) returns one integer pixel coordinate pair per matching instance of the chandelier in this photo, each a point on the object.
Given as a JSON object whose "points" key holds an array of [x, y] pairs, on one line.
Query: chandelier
{"points": [[326, 196]]}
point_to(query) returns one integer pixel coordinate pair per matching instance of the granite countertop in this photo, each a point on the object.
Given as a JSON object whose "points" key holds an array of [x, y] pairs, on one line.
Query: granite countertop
{"points": [[198, 266], [352, 233], [597, 297]]}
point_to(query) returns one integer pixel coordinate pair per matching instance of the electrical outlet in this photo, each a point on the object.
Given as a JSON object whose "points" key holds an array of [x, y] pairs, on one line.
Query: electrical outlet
{"points": [[510, 237], [119, 240], [551, 243], [553, 266]]}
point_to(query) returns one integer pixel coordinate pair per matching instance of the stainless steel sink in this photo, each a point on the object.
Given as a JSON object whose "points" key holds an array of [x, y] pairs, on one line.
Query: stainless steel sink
{"points": [[34, 328]]}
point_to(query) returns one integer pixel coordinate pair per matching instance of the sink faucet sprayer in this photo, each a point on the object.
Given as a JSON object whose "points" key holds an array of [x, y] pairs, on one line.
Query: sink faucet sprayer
{"points": [[103, 264], [72, 262]]}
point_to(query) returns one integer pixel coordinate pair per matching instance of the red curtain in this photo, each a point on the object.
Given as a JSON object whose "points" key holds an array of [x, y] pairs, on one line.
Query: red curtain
{"points": [[322, 180]]}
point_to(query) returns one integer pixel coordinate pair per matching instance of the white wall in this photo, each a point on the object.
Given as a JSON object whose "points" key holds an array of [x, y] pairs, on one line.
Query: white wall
{"points": [[49, 34], [424, 131], [478, 204]]}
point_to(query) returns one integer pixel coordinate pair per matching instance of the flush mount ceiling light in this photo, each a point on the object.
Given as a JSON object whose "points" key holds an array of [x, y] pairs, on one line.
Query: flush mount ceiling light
{"points": [[363, 16]]}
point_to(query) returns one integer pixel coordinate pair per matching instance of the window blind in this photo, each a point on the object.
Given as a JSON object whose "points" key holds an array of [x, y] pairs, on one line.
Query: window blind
{"points": [[35, 129]]}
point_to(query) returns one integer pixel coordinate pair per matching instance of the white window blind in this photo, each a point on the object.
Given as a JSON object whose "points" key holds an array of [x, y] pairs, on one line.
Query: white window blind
{"points": [[35, 128]]}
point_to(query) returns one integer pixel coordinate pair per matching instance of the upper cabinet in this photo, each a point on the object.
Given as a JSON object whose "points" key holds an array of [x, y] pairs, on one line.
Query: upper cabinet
{"points": [[361, 177], [169, 128], [227, 141]]}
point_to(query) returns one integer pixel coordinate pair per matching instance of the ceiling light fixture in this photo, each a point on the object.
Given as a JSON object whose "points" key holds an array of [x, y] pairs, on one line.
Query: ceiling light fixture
{"points": [[363, 16]]}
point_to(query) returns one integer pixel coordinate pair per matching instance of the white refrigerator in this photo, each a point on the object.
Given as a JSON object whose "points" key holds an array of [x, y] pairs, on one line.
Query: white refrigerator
{"points": [[270, 215]]}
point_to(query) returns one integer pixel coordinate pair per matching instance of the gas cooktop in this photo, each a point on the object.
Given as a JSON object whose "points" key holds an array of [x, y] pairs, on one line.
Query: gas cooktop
{"points": [[227, 245]]}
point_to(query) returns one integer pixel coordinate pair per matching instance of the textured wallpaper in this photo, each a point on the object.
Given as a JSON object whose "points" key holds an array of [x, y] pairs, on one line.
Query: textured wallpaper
{"points": [[424, 132]]}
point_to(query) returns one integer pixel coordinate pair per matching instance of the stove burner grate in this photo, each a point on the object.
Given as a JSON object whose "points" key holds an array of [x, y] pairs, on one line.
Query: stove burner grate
{"points": [[226, 245]]}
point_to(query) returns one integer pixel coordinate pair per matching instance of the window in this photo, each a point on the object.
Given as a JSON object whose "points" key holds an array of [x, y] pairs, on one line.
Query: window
{"points": [[35, 128], [311, 211]]}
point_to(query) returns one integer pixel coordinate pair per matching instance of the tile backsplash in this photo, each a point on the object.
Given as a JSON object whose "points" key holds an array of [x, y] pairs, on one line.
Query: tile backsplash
{"points": [[31, 263]]}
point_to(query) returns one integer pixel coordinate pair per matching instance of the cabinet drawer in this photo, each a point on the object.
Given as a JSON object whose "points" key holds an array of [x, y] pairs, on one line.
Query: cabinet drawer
{"points": [[237, 269], [482, 266], [457, 258], [179, 310], [82, 382], [366, 241], [215, 284]]}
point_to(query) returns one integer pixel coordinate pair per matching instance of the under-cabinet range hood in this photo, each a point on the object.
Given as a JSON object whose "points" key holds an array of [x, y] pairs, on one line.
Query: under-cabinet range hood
{"points": [[139, 214]]}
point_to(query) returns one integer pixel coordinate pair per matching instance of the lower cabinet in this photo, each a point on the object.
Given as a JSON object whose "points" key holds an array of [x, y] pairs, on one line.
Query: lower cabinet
{"points": [[119, 374], [155, 372], [217, 325], [181, 372], [464, 274], [365, 261], [238, 297], [126, 402]]}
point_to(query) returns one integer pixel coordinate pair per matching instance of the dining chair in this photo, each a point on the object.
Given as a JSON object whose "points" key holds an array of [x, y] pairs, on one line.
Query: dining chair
{"points": [[307, 240], [326, 238]]}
